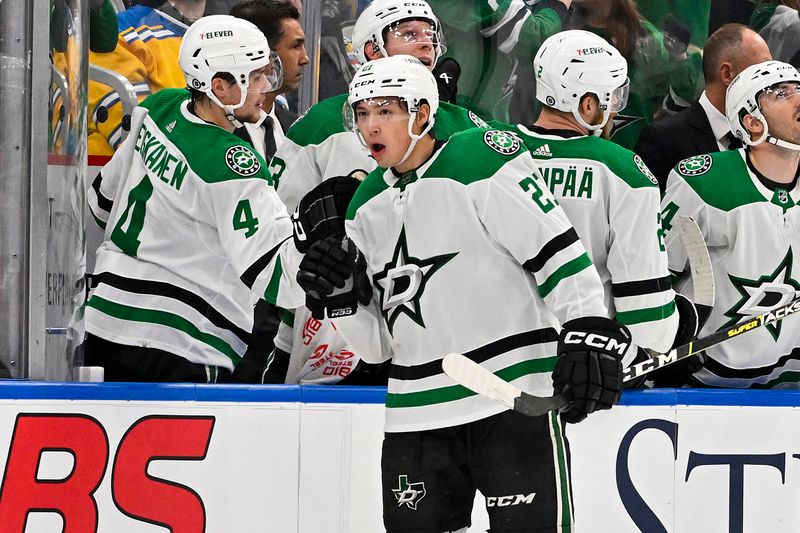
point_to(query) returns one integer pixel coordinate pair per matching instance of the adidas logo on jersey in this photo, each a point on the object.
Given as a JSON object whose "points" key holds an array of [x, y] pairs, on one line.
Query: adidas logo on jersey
{"points": [[171, 126], [542, 151]]}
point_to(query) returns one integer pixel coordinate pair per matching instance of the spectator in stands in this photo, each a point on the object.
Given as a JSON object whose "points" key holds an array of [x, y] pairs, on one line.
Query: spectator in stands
{"points": [[493, 41], [654, 71], [702, 128], [778, 22], [146, 55]]}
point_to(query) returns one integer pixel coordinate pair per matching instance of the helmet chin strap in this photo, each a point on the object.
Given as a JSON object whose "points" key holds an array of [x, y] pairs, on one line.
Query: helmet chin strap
{"points": [[595, 129], [782, 143], [414, 138], [229, 109], [771, 139]]}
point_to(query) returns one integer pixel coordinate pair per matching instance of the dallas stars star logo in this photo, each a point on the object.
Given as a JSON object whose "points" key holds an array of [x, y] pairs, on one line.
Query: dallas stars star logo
{"points": [[764, 294], [620, 122], [403, 280]]}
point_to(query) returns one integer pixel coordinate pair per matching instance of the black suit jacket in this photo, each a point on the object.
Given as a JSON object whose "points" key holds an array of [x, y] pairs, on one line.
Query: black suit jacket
{"points": [[285, 117], [662, 144]]}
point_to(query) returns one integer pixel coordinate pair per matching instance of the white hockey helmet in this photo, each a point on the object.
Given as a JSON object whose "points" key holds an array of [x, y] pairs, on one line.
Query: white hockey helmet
{"points": [[222, 43], [742, 98], [382, 14], [573, 63], [400, 76]]}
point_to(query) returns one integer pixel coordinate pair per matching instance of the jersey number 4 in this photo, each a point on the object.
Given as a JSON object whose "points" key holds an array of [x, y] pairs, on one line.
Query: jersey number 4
{"points": [[126, 232]]}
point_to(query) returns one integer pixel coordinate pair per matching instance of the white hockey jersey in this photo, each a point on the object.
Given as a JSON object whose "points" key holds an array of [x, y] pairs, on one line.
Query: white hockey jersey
{"points": [[752, 236], [612, 199], [469, 253], [194, 234]]}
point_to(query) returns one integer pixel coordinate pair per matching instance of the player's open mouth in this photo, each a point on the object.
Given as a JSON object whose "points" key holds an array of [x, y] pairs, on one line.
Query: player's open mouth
{"points": [[377, 149], [426, 61]]}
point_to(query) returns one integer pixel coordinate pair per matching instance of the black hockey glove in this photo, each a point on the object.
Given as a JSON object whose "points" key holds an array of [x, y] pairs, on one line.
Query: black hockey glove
{"points": [[333, 274], [678, 373], [322, 210], [589, 366], [447, 72]]}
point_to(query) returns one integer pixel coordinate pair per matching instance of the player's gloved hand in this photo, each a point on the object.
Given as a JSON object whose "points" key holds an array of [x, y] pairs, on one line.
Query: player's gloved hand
{"points": [[322, 211], [677, 374], [447, 72], [333, 274], [589, 366]]}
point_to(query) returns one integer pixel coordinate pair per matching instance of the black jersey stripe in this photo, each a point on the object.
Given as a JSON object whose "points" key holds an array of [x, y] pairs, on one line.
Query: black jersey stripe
{"points": [[166, 290], [102, 202], [250, 275], [641, 287], [479, 355], [555, 245]]}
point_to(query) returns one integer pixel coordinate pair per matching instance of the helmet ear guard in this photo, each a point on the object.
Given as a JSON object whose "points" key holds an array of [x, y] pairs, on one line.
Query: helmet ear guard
{"points": [[742, 99], [571, 64]]}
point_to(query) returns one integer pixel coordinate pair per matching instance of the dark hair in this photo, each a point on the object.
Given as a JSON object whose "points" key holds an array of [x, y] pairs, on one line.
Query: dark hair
{"points": [[268, 15], [623, 25], [197, 94], [722, 45]]}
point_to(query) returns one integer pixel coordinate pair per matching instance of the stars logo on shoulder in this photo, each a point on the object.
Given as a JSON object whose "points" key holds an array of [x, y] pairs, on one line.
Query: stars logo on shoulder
{"points": [[402, 282], [639, 162], [502, 141], [695, 166], [764, 294], [242, 160]]}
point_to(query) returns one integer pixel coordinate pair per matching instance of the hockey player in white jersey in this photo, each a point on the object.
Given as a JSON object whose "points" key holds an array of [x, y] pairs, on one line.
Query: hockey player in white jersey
{"points": [[460, 247], [193, 231], [317, 146], [607, 191], [745, 202]]}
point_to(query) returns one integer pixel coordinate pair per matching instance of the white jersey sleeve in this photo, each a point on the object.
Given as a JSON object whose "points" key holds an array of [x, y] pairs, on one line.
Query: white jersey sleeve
{"points": [[521, 214]]}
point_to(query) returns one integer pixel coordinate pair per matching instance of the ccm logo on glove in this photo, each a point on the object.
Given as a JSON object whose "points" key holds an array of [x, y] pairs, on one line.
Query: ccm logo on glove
{"points": [[595, 340]]}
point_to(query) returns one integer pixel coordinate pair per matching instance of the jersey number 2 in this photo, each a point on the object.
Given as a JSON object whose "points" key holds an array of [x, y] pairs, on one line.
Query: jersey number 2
{"points": [[126, 232], [530, 184]]}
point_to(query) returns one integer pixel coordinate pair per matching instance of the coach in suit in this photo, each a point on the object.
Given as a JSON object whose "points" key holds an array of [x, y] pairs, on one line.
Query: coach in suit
{"points": [[279, 20], [703, 128]]}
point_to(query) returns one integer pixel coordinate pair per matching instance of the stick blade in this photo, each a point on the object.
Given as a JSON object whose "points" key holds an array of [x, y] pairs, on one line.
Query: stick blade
{"points": [[478, 379], [482, 381], [703, 291]]}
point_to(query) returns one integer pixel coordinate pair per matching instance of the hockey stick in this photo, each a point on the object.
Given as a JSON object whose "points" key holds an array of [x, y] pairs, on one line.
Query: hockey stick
{"points": [[702, 273], [481, 380], [698, 345], [478, 379]]}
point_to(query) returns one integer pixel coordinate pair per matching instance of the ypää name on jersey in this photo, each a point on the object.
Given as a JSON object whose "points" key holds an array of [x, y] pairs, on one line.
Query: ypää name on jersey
{"points": [[573, 181]]}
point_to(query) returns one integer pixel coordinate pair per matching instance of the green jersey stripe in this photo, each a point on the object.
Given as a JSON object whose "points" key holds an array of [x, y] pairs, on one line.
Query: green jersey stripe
{"points": [[271, 292], [164, 318], [99, 222], [646, 315], [563, 473], [566, 270], [457, 392], [288, 318]]}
